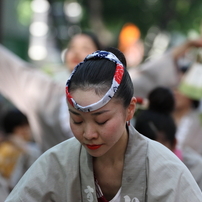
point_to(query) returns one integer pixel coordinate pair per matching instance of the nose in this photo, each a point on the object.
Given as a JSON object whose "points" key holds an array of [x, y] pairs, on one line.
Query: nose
{"points": [[90, 132]]}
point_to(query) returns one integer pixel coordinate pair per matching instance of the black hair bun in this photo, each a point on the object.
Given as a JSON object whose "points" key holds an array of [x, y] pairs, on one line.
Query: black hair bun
{"points": [[118, 54], [161, 99]]}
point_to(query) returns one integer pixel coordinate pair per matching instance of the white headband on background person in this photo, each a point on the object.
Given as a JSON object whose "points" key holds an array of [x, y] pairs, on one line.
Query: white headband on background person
{"points": [[110, 93]]}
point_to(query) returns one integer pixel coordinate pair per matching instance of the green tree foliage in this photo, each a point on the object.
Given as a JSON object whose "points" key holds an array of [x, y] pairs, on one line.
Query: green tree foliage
{"points": [[169, 15]]}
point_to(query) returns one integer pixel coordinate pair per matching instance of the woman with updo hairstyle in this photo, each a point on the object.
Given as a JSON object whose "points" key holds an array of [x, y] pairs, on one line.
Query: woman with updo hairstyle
{"points": [[100, 78], [107, 159]]}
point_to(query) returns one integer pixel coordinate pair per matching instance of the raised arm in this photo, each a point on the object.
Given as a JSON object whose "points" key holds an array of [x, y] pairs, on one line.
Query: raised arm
{"points": [[36, 95], [161, 71], [22, 83]]}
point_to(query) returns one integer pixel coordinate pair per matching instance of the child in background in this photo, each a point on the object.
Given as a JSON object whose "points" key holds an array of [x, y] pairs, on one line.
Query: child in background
{"points": [[17, 151]]}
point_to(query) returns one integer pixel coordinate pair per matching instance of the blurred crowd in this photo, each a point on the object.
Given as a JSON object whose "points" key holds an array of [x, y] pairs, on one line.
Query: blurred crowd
{"points": [[39, 117]]}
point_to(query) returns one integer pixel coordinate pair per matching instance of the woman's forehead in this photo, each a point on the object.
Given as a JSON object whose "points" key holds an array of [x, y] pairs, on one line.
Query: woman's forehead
{"points": [[83, 40], [85, 97], [89, 97]]}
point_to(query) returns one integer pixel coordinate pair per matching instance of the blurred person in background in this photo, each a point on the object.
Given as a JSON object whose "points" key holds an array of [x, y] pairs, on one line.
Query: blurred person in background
{"points": [[17, 150], [187, 114], [161, 70], [79, 46], [157, 123], [188, 119], [43, 100]]}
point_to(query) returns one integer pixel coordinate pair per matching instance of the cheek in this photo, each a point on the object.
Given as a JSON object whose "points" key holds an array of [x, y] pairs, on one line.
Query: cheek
{"points": [[113, 130], [68, 56], [77, 131]]}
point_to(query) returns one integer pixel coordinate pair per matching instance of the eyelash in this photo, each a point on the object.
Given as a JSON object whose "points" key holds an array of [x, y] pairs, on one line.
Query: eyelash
{"points": [[78, 123], [102, 122]]}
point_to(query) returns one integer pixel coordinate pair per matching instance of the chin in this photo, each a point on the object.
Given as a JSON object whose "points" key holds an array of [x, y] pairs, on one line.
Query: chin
{"points": [[95, 153]]}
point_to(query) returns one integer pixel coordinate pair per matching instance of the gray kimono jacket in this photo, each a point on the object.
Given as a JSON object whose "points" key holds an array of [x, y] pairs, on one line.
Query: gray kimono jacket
{"points": [[65, 173]]}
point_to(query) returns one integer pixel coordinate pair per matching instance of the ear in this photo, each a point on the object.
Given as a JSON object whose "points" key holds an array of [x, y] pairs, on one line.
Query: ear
{"points": [[131, 109]]}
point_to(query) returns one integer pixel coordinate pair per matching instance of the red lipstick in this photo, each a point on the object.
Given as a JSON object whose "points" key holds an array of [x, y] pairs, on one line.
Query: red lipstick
{"points": [[93, 147]]}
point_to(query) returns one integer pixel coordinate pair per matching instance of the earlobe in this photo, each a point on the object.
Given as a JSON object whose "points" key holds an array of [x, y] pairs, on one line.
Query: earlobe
{"points": [[131, 108]]}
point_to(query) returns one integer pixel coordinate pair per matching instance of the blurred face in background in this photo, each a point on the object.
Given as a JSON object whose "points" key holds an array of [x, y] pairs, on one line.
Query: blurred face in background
{"points": [[24, 132], [79, 47], [181, 101]]}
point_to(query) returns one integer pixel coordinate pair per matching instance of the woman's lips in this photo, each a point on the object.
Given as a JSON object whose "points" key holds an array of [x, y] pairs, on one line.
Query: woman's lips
{"points": [[93, 147]]}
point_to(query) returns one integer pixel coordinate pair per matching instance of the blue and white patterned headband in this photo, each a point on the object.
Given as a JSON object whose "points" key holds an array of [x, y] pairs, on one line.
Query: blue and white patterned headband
{"points": [[110, 93]]}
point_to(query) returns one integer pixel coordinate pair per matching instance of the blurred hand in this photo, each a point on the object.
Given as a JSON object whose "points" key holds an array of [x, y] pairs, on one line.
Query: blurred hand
{"points": [[182, 49]]}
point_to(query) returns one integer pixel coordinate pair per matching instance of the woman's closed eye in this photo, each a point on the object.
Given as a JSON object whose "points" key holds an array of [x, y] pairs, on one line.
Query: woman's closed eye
{"points": [[101, 123], [77, 122]]}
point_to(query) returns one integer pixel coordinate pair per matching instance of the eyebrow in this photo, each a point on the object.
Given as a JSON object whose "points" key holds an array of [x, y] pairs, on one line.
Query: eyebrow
{"points": [[94, 114], [73, 112], [100, 112]]}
